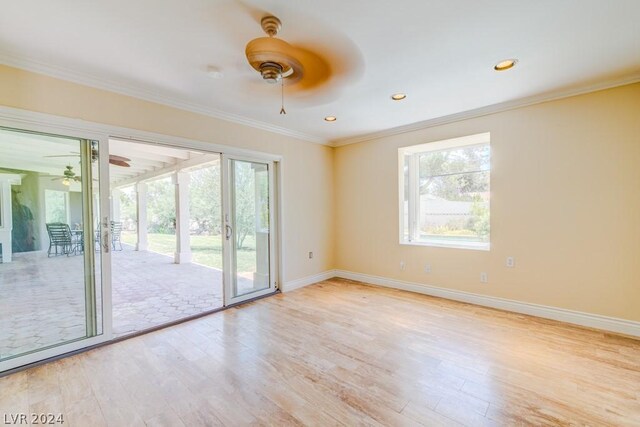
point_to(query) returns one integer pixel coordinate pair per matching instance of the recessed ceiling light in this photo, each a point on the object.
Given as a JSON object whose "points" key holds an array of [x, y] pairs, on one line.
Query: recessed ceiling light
{"points": [[398, 96], [505, 65], [330, 119]]}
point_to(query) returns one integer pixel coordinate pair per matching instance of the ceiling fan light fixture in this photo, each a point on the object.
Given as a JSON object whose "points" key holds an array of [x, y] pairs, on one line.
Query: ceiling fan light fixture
{"points": [[505, 64], [66, 181], [269, 50], [273, 58], [271, 72]]}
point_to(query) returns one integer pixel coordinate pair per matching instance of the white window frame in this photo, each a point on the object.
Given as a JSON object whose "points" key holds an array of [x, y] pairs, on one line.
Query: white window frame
{"points": [[413, 205]]}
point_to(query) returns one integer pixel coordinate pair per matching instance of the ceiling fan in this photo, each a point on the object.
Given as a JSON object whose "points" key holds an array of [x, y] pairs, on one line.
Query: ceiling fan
{"points": [[316, 69], [68, 176], [273, 58], [113, 159]]}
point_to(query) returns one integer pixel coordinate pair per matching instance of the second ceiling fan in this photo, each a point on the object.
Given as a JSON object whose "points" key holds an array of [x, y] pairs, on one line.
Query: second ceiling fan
{"points": [[113, 158]]}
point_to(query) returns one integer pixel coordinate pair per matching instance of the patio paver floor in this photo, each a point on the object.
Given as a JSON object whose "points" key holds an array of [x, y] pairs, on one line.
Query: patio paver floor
{"points": [[42, 299]]}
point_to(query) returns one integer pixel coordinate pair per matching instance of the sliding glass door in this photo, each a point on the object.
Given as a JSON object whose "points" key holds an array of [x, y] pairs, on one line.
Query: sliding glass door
{"points": [[104, 237], [248, 224], [50, 275], [166, 219]]}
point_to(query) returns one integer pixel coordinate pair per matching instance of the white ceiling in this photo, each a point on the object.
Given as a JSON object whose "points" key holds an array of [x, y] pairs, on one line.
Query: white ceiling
{"points": [[440, 53]]}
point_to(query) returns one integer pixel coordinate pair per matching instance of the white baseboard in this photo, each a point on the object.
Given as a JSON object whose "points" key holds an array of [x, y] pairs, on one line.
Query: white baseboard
{"points": [[627, 327], [306, 281], [622, 326]]}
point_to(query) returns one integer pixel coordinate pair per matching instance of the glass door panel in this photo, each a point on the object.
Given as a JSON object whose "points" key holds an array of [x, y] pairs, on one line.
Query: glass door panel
{"points": [[248, 230], [166, 245], [48, 269]]}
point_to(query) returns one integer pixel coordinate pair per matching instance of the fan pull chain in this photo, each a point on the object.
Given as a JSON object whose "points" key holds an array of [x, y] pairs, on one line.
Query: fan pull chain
{"points": [[282, 110]]}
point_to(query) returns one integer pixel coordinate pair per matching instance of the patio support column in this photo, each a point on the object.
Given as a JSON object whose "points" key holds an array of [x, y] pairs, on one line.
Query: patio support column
{"points": [[115, 205], [141, 214], [183, 241]]}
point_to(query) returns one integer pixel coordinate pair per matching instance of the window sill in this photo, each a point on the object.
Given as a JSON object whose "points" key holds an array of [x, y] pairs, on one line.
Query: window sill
{"points": [[475, 246]]}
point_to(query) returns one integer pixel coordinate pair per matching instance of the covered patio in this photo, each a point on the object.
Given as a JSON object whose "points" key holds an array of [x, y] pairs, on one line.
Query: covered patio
{"points": [[166, 248], [42, 300], [153, 285], [149, 289]]}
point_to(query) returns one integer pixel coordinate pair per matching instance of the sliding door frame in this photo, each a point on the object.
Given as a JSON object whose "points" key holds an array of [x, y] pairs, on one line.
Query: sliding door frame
{"points": [[227, 214], [92, 338], [81, 129]]}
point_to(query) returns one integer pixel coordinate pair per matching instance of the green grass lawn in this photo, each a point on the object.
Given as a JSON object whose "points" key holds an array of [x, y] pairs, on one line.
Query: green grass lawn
{"points": [[206, 250]]}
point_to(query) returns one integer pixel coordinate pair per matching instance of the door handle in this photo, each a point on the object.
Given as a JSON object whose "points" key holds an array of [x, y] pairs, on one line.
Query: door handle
{"points": [[105, 241], [229, 231]]}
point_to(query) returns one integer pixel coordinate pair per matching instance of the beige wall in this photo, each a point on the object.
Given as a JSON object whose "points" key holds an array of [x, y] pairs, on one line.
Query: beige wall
{"points": [[307, 179], [565, 193], [565, 202]]}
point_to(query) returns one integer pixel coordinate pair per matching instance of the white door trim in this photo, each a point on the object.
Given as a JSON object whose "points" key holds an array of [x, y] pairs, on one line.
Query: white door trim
{"points": [[104, 218], [48, 123], [50, 352], [229, 299]]}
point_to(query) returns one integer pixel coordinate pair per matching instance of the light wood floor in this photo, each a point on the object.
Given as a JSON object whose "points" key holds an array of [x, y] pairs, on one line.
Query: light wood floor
{"points": [[341, 353]]}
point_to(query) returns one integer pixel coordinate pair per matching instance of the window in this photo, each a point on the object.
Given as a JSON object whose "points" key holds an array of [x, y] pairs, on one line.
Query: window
{"points": [[444, 193], [56, 206]]}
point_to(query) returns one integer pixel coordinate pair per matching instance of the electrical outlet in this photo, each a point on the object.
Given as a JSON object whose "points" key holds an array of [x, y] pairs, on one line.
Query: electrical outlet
{"points": [[401, 265], [310, 255], [511, 262], [484, 278], [427, 268]]}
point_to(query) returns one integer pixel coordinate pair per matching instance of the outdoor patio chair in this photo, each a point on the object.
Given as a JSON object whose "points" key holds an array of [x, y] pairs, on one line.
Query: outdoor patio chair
{"points": [[77, 238], [116, 234], [61, 241]]}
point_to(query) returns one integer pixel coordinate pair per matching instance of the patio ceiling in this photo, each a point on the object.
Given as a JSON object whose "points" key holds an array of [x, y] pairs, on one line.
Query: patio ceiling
{"points": [[149, 161], [31, 152]]}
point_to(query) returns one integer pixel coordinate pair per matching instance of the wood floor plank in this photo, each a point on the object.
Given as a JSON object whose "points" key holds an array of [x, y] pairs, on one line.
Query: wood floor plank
{"points": [[341, 353]]}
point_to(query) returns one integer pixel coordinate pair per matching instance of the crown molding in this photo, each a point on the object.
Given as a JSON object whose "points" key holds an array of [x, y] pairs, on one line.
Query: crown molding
{"points": [[95, 82], [134, 92], [489, 109]]}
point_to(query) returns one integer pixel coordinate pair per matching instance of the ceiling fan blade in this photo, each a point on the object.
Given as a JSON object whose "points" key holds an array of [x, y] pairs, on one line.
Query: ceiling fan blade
{"points": [[119, 163], [64, 155], [119, 158]]}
